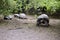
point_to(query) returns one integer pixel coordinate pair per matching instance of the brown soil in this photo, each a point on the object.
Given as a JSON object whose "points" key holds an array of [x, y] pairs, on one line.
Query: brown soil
{"points": [[26, 29]]}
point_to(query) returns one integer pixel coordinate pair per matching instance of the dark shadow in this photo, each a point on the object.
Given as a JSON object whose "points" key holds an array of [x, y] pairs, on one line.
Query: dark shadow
{"points": [[44, 26]]}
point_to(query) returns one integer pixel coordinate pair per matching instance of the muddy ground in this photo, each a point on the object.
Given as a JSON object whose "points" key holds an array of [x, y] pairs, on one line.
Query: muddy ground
{"points": [[26, 29]]}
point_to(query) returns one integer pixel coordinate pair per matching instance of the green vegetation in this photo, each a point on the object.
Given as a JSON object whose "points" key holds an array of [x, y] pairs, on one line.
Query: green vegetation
{"points": [[12, 6]]}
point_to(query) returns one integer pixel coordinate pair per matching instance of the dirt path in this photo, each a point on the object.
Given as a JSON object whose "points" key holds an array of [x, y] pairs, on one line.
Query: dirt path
{"points": [[18, 29]]}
